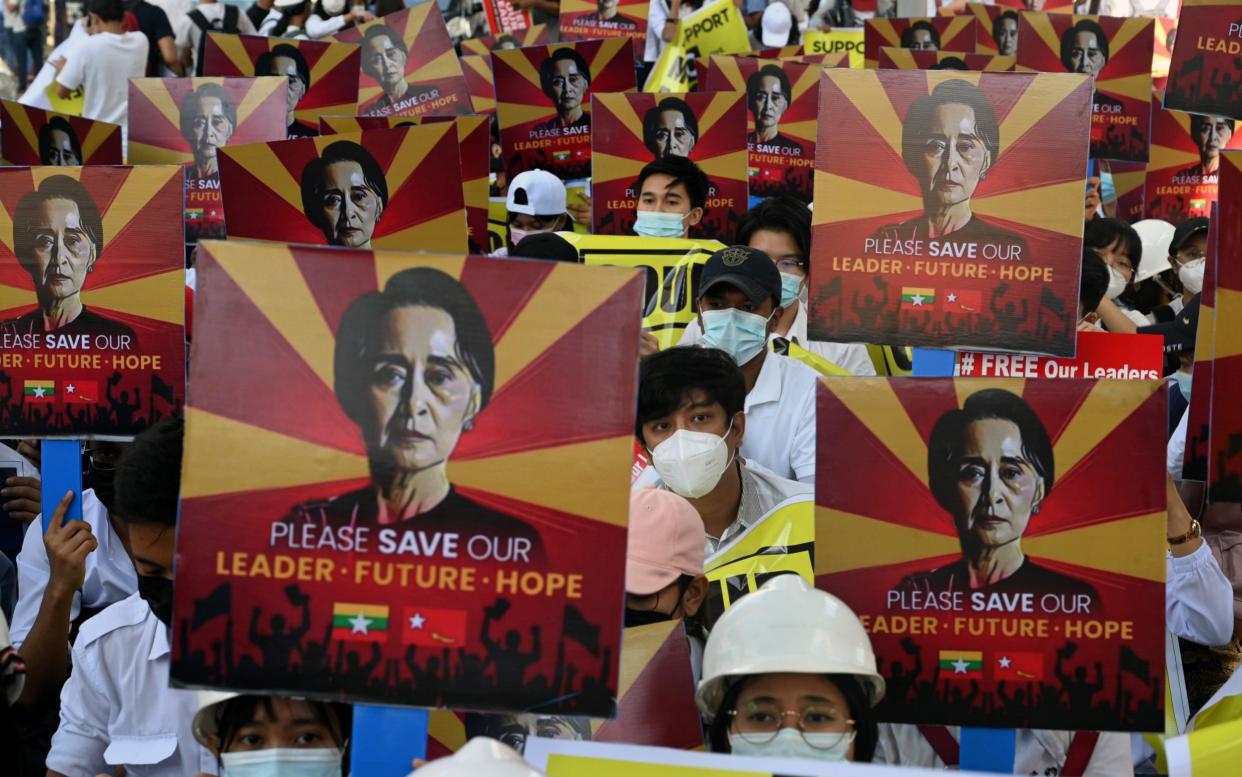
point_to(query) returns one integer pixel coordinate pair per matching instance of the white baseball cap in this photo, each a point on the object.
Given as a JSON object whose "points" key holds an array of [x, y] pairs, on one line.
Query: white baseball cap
{"points": [[536, 193], [777, 21]]}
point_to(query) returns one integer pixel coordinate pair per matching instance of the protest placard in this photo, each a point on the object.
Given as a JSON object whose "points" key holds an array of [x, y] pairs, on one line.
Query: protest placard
{"points": [[1205, 73], [188, 120], [632, 130], [715, 28], [1225, 456], [534, 35], [478, 70], [782, 99], [906, 255], [940, 33], [358, 190], [409, 66], [1099, 355], [671, 268], [1071, 633], [1182, 177], [323, 76], [839, 40], [997, 28], [474, 141], [32, 136], [598, 19], [543, 96], [1195, 464], [1162, 54], [1129, 186], [1117, 54], [97, 348], [500, 586], [909, 59], [504, 18]]}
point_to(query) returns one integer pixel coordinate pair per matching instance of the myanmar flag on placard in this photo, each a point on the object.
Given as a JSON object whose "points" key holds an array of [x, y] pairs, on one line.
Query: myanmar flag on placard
{"points": [[360, 622], [914, 299], [80, 392], [1017, 666], [961, 664], [434, 628], [962, 301], [40, 390]]}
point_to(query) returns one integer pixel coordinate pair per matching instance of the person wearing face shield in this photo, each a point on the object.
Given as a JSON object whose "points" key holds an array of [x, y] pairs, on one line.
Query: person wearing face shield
{"points": [[672, 197], [691, 422], [117, 709], [781, 228], [258, 736], [536, 203], [788, 672]]}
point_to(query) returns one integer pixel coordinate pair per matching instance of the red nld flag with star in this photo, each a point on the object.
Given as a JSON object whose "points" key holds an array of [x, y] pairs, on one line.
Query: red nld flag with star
{"points": [[1018, 666], [434, 628], [359, 622], [80, 392]]}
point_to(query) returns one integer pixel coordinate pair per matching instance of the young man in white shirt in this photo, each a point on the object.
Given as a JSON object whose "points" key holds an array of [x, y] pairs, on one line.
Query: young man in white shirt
{"points": [[117, 710], [692, 425], [102, 65], [208, 16]]}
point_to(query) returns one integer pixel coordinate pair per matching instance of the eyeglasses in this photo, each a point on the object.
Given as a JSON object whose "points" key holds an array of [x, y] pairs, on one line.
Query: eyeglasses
{"points": [[792, 266], [103, 459], [759, 723]]}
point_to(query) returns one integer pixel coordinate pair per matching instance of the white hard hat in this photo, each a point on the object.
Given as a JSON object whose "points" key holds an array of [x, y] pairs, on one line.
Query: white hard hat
{"points": [[1156, 235], [205, 719], [480, 757], [786, 626]]}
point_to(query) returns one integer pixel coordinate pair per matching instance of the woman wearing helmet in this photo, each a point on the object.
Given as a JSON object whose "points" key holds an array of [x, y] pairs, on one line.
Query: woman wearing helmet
{"points": [[252, 735], [788, 672]]}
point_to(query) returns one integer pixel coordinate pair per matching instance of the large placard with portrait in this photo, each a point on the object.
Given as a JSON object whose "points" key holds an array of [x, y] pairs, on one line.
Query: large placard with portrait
{"points": [[543, 102], [632, 130], [782, 101], [598, 19], [33, 136], [1205, 74], [948, 209], [908, 59], [357, 190], [941, 33], [189, 120], [1183, 177], [997, 31], [534, 35], [1009, 573], [429, 538], [1225, 456], [1117, 54], [92, 340], [322, 76], [409, 66]]}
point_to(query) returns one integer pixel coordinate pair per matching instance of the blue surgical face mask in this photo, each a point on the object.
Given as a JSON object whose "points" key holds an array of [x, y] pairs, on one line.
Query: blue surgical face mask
{"points": [[791, 743], [791, 289], [653, 223], [280, 761], [1183, 379], [740, 334]]}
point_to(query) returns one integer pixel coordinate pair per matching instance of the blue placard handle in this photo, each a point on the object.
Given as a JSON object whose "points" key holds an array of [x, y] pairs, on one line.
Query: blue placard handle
{"points": [[386, 740], [988, 749], [932, 363], [60, 469]]}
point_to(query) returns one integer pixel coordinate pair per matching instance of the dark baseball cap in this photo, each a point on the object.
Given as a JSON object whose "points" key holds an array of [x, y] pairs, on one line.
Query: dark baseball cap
{"points": [[545, 245], [1186, 230], [1178, 334], [752, 271]]}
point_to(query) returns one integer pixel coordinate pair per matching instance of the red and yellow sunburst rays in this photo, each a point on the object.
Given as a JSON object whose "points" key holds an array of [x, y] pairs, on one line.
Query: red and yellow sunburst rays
{"points": [[872, 495], [431, 57], [985, 17], [1030, 113], [1131, 44], [519, 92], [478, 70], [1172, 143], [140, 208], [333, 69], [908, 59], [535, 35], [565, 339], [155, 105], [19, 135], [957, 33], [732, 73], [720, 113], [263, 193]]}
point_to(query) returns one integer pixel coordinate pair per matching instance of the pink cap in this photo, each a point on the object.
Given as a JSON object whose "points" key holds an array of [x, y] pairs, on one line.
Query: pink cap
{"points": [[666, 540]]}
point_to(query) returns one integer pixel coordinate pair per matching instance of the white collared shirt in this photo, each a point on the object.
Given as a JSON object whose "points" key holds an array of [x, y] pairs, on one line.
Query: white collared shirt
{"points": [[117, 709], [1037, 751], [110, 574], [780, 418]]}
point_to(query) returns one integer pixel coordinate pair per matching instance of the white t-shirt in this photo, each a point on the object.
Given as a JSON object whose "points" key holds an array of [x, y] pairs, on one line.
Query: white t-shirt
{"points": [[102, 66], [36, 94], [189, 36]]}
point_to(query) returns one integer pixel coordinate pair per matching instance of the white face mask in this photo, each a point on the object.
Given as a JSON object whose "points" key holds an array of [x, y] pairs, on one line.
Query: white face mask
{"points": [[691, 463], [1191, 275], [280, 761], [1116, 283], [790, 743]]}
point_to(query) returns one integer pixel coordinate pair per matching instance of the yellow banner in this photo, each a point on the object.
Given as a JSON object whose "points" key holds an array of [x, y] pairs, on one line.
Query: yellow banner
{"points": [[716, 28], [781, 541], [837, 40]]}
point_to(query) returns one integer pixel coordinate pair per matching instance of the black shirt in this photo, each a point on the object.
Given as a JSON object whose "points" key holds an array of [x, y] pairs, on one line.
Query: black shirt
{"points": [[154, 24], [1029, 578], [299, 130]]}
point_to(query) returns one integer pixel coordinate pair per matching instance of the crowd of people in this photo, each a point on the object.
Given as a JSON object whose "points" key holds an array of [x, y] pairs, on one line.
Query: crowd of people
{"points": [[724, 422]]}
